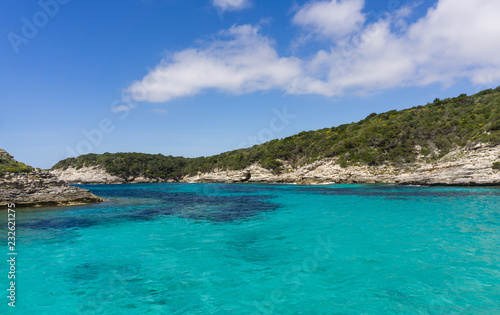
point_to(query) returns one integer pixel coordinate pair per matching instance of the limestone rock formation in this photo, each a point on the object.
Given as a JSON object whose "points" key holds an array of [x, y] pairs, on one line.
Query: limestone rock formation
{"points": [[465, 166], [87, 175], [460, 167], [98, 175], [39, 188]]}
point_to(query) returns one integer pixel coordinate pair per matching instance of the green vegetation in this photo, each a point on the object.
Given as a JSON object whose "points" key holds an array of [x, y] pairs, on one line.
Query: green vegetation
{"points": [[386, 138], [130, 164], [496, 166], [9, 165]]}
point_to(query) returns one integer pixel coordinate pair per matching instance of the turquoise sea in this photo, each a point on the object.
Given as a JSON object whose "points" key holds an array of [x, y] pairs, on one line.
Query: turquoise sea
{"points": [[261, 249]]}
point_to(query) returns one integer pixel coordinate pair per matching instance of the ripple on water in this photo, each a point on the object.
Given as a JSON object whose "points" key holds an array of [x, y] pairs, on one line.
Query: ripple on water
{"points": [[283, 249]]}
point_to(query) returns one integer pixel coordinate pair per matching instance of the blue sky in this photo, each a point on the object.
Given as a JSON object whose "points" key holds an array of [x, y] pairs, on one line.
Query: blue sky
{"points": [[196, 78]]}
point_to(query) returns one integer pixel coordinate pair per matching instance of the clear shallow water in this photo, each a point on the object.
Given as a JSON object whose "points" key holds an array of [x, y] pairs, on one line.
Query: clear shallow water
{"points": [[262, 249]]}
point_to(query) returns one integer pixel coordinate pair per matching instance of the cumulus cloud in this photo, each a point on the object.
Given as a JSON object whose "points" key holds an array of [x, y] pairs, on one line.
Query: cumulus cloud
{"points": [[458, 40], [231, 5], [331, 18], [241, 61], [450, 42]]}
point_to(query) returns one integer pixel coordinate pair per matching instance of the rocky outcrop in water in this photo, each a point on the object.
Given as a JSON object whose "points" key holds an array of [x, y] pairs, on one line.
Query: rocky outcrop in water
{"points": [[38, 188]]}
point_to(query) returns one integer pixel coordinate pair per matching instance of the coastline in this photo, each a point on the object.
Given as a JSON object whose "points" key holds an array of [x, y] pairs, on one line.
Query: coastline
{"points": [[41, 189], [461, 167]]}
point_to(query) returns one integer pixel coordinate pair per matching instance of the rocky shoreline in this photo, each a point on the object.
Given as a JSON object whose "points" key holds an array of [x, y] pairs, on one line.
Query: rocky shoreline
{"points": [[462, 167], [37, 189], [98, 175]]}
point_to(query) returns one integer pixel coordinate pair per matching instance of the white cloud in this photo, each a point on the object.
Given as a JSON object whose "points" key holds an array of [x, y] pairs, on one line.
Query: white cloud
{"points": [[243, 61], [456, 40], [231, 5], [452, 41], [333, 19], [161, 111], [122, 108]]}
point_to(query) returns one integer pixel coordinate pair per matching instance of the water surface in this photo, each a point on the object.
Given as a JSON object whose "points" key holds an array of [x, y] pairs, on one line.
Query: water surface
{"points": [[262, 249]]}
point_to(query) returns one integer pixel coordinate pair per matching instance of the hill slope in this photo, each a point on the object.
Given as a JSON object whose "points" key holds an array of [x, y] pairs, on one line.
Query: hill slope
{"points": [[9, 165], [398, 139]]}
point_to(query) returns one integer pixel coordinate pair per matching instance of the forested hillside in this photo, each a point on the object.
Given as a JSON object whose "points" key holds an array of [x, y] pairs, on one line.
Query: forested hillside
{"points": [[394, 137]]}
